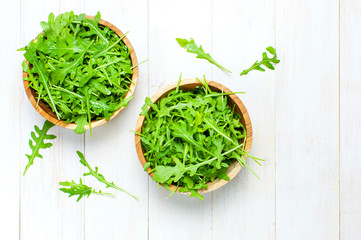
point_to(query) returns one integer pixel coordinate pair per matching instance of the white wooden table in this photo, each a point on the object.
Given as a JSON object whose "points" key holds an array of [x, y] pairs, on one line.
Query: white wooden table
{"points": [[305, 116]]}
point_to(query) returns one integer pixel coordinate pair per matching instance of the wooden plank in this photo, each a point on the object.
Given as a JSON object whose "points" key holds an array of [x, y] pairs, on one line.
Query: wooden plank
{"points": [[47, 213], [169, 20], [10, 97], [307, 120], [350, 112], [245, 208], [112, 146]]}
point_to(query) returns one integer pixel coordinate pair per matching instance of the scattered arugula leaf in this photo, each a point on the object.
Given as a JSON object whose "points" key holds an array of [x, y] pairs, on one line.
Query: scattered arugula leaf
{"points": [[79, 68], [266, 61], [80, 189], [99, 176], [192, 47], [191, 137], [37, 142]]}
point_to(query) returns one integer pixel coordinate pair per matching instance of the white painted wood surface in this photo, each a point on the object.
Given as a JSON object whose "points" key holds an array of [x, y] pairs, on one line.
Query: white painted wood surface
{"points": [[305, 118], [350, 124]]}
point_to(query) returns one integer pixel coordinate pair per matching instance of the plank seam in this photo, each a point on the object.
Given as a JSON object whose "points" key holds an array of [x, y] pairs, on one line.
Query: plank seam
{"points": [[20, 135], [339, 119], [275, 131]]}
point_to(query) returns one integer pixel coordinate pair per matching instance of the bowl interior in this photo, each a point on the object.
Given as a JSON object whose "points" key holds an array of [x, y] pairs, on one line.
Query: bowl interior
{"points": [[233, 101], [47, 112]]}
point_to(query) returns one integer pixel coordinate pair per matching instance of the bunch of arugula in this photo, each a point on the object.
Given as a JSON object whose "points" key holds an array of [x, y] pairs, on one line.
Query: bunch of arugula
{"points": [[190, 138], [79, 68]]}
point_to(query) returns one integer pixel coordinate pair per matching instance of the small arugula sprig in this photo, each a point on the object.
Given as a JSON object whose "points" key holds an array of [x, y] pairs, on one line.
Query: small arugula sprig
{"points": [[98, 176], [37, 142], [266, 61], [80, 189], [192, 47]]}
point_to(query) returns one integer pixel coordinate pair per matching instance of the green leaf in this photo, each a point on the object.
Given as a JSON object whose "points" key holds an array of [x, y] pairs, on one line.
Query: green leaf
{"points": [[194, 193], [79, 189], [93, 25], [214, 127], [163, 173], [181, 131], [192, 47], [43, 76], [99, 176], [266, 61], [146, 166], [57, 76], [105, 50], [80, 124], [37, 142], [188, 180]]}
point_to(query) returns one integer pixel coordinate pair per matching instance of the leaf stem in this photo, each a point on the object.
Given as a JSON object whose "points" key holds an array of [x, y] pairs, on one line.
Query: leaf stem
{"points": [[100, 177]]}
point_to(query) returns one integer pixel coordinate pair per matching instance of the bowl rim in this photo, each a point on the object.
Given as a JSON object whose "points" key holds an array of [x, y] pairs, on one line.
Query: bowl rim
{"points": [[235, 167], [47, 112]]}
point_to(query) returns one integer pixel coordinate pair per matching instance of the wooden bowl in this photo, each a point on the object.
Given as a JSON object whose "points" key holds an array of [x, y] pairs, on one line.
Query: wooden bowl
{"points": [[233, 100], [47, 112]]}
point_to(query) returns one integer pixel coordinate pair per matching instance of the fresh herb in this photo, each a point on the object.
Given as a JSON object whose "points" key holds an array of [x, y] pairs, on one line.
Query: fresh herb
{"points": [[99, 176], [192, 47], [37, 142], [80, 189], [190, 138], [84, 190], [266, 61], [80, 69]]}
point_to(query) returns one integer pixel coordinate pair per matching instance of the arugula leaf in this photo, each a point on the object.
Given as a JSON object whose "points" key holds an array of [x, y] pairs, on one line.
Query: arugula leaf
{"points": [[80, 189], [196, 194], [93, 25], [38, 142], [39, 68], [192, 47], [58, 75], [80, 124], [266, 61], [163, 173], [99, 176], [182, 132]]}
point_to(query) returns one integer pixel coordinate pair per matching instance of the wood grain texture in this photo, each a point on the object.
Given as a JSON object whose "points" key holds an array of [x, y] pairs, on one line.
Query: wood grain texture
{"points": [[307, 188], [245, 208], [111, 148], [350, 124], [169, 20], [10, 99], [47, 213], [307, 120], [47, 112], [233, 101]]}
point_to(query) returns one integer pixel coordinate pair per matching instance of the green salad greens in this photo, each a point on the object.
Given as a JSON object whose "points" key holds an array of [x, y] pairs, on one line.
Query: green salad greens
{"points": [[79, 68], [190, 138]]}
